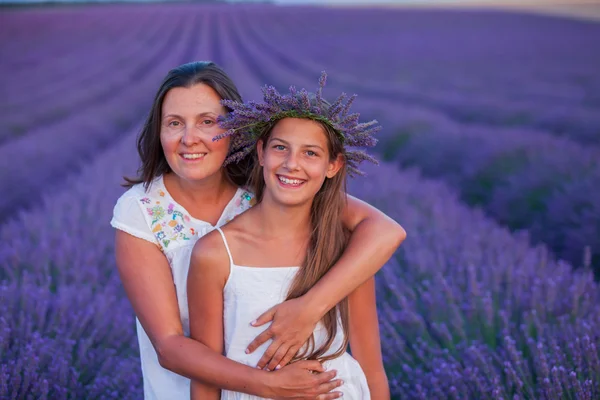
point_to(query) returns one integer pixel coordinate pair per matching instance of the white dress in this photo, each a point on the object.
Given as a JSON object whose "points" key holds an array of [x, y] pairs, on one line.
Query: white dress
{"points": [[153, 215], [250, 291]]}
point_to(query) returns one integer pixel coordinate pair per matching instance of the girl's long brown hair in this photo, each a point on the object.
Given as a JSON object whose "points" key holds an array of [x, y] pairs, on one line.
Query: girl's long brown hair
{"points": [[326, 244]]}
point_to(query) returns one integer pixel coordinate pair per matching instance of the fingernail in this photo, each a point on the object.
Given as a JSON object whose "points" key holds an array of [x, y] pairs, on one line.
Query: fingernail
{"points": [[247, 351], [277, 367], [253, 322]]}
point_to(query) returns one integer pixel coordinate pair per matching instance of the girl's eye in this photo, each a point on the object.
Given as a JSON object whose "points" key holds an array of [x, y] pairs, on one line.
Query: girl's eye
{"points": [[311, 153], [279, 147]]}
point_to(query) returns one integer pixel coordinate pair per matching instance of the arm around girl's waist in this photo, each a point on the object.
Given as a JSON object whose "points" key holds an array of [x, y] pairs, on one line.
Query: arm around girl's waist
{"points": [[146, 277]]}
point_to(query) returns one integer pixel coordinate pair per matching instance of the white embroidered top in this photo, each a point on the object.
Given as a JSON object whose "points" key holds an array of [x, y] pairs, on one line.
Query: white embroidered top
{"points": [[155, 216]]}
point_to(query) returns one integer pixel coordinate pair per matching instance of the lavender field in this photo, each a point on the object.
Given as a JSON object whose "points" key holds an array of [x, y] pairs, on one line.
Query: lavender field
{"points": [[491, 161]]}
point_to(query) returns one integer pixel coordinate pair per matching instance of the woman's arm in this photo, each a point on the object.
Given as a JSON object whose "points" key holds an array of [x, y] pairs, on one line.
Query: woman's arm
{"points": [[375, 237], [148, 283], [364, 338], [209, 268]]}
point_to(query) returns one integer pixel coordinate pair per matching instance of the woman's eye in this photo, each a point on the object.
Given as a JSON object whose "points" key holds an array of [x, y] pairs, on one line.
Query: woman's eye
{"points": [[311, 153], [174, 123], [279, 147], [207, 122]]}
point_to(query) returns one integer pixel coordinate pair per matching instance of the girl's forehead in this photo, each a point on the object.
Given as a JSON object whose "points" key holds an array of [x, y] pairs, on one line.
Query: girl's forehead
{"points": [[299, 131]]}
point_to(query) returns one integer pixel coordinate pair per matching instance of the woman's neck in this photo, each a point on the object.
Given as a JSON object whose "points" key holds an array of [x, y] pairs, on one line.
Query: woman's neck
{"points": [[208, 191], [276, 220]]}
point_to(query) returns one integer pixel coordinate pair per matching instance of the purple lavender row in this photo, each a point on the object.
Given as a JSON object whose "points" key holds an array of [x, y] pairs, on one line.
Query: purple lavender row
{"points": [[39, 161], [444, 236], [438, 46], [108, 72], [469, 311], [53, 42], [66, 329], [19, 24], [578, 117], [59, 255], [525, 180], [67, 70], [461, 291], [522, 177]]}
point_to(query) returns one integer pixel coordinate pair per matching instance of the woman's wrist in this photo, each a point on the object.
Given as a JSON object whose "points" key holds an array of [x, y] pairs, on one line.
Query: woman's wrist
{"points": [[266, 384]]}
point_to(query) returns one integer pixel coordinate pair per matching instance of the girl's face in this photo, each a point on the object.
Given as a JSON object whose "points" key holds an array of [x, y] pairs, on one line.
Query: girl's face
{"points": [[188, 125], [296, 161]]}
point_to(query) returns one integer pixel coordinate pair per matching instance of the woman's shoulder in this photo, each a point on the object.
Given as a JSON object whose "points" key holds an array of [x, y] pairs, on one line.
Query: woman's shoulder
{"points": [[169, 224], [142, 194], [244, 200]]}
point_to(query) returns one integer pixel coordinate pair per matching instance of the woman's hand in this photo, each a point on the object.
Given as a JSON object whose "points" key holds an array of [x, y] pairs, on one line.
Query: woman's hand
{"points": [[306, 380], [293, 323]]}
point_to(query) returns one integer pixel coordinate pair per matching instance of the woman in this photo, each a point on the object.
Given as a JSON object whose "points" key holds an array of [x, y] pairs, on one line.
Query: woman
{"points": [[282, 246], [182, 193]]}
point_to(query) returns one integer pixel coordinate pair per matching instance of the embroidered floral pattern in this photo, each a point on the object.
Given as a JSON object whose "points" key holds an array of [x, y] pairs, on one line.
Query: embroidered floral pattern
{"points": [[170, 223], [167, 225], [242, 203]]}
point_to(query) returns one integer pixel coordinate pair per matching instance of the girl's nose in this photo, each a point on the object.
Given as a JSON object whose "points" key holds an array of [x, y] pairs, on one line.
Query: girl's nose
{"points": [[291, 161]]}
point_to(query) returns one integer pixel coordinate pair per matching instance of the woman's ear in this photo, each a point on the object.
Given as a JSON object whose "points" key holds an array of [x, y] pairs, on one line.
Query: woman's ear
{"points": [[260, 151], [335, 166]]}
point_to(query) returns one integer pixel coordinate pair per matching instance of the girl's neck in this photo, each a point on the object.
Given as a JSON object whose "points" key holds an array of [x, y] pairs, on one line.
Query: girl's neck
{"points": [[208, 191], [278, 221]]}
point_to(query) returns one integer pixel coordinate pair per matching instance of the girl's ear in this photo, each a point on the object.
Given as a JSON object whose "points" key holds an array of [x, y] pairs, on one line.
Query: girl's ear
{"points": [[335, 166], [260, 151]]}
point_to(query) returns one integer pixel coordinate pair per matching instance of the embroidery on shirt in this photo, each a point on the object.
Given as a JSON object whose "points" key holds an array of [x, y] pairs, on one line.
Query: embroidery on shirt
{"points": [[242, 203], [167, 224]]}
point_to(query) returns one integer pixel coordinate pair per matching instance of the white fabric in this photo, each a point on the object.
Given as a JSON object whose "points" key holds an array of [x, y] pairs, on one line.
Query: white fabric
{"points": [[250, 291], [154, 216]]}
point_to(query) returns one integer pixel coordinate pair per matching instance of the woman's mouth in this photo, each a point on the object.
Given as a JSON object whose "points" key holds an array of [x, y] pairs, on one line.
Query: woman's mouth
{"points": [[192, 156]]}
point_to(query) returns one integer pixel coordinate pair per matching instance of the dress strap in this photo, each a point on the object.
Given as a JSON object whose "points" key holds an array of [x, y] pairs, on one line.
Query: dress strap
{"points": [[226, 245]]}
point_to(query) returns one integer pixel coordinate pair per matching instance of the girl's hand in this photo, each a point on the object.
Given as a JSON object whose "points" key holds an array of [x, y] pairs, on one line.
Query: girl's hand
{"points": [[293, 323], [306, 380]]}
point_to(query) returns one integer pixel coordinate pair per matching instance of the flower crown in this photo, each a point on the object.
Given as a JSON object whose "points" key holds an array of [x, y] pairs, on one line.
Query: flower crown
{"points": [[247, 121]]}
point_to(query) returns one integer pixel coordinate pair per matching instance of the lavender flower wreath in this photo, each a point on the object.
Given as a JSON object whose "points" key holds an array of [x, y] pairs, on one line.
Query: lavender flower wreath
{"points": [[247, 121]]}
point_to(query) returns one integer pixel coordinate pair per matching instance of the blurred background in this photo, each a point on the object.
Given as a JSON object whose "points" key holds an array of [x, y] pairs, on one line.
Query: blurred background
{"points": [[490, 158]]}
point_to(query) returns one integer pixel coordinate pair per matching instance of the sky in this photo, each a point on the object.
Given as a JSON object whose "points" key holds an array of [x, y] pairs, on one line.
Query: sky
{"points": [[363, 2]]}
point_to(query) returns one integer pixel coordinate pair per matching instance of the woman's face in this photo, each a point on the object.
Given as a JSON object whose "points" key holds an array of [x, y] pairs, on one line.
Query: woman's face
{"points": [[188, 125], [296, 161]]}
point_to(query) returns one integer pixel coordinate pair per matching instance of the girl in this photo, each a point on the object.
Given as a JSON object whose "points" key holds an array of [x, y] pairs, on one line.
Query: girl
{"points": [[282, 246], [182, 193]]}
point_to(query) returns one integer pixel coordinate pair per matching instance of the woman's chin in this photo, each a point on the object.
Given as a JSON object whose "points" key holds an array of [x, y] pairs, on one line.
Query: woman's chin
{"points": [[196, 173]]}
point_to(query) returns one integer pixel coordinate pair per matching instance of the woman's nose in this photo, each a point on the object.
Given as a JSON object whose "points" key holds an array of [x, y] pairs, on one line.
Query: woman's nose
{"points": [[190, 136]]}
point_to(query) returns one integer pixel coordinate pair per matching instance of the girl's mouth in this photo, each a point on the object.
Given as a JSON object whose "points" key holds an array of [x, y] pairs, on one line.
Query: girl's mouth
{"points": [[288, 182]]}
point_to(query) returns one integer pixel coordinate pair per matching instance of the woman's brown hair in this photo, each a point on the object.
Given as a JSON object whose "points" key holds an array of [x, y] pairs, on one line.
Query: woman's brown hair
{"points": [[153, 161], [326, 244]]}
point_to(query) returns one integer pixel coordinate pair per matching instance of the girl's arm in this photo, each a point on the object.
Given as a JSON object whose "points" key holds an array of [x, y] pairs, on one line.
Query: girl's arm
{"points": [[375, 237], [209, 268], [364, 338], [148, 283]]}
